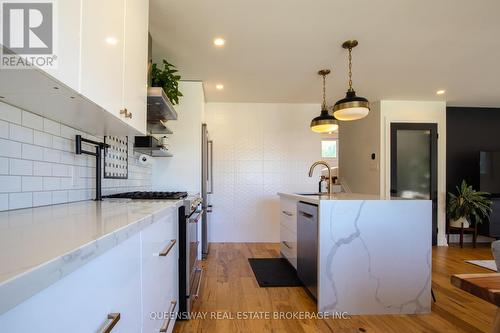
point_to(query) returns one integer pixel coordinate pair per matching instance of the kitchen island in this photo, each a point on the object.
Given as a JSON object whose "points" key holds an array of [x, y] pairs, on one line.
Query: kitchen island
{"points": [[373, 254]]}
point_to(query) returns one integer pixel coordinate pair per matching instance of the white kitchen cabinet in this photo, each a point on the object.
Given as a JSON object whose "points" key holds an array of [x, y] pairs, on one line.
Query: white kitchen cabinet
{"points": [[133, 279], [101, 49], [68, 19], [81, 301], [288, 230], [160, 255], [102, 53], [136, 62]]}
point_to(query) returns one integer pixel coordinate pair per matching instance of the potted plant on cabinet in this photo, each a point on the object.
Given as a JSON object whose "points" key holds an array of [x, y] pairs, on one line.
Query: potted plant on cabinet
{"points": [[466, 204], [167, 79]]}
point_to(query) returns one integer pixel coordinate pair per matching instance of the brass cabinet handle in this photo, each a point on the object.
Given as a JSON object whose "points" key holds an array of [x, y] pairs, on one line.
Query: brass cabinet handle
{"points": [[113, 320], [168, 248], [166, 323], [287, 213], [125, 112], [286, 244]]}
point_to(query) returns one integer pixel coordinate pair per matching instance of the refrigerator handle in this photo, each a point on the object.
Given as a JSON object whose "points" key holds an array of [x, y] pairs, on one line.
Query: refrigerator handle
{"points": [[211, 166]]}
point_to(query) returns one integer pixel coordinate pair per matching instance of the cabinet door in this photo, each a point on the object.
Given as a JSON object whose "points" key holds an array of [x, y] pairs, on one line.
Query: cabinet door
{"points": [[136, 62], [159, 272], [81, 301], [101, 69], [67, 49]]}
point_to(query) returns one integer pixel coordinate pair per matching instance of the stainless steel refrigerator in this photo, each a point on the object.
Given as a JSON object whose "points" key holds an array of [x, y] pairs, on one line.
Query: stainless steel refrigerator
{"points": [[207, 183]]}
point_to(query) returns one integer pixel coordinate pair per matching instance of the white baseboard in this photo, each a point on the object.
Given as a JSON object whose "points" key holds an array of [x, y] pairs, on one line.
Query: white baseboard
{"points": [[455, 238]]}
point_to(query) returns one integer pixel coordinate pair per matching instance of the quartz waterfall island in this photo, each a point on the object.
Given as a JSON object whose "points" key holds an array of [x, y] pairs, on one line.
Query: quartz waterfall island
{"points": [[373, 255]]}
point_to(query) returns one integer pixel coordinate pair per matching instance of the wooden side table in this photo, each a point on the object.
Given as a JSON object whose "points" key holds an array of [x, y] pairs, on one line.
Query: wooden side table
{"points": [[485, 286], [461, 230]]}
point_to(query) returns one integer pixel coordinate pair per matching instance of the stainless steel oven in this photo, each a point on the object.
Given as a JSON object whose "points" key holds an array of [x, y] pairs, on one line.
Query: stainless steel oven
{"points": [[190, 272]]}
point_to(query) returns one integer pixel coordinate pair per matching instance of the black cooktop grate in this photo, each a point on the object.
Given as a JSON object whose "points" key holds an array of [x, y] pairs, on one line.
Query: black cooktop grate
{"points": [[149, 195]]}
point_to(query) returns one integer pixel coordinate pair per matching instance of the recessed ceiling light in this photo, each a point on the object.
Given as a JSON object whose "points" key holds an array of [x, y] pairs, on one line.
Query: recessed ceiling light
{"points": [[219, 86], [440, 92], [111, 40], [219, 42]]}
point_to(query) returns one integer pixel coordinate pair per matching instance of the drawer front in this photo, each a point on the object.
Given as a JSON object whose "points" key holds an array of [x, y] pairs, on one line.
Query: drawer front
{"points": [[160, 253], [288, 245], [288, 214]]}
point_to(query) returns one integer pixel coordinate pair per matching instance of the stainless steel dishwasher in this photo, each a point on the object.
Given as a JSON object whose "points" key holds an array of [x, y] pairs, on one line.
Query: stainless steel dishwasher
{"points": [[307, 246]]}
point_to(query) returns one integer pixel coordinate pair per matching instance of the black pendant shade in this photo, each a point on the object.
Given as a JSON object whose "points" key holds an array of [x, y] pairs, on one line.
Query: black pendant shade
{"points": [[325, 122], [351, 107]]}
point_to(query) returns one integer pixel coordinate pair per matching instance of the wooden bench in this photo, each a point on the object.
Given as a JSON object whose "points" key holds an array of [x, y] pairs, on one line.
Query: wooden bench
{"points": [[485, 286]]}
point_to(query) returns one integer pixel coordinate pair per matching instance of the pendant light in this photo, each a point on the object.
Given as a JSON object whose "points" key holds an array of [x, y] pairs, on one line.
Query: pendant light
{"points": [[351, 107], [325, 122]]}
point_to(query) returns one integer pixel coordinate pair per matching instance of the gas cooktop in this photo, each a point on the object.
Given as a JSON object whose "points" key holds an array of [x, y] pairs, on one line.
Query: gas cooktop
{"points": [[149, 195]]}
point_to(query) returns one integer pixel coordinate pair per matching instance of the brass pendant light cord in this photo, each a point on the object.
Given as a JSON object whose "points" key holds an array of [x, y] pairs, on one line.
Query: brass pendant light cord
{"points": [[323, 106], [350, 69]]}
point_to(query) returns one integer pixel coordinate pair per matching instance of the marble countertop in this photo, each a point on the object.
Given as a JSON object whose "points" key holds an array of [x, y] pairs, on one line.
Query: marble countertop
{"points": [[316, 199], [39, 246]]}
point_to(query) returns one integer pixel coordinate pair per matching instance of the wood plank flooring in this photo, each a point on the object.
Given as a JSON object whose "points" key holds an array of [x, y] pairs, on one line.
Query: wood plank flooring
{"points": [[229, 287]]}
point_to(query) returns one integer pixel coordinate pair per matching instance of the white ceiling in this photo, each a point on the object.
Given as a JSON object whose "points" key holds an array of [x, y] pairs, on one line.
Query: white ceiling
{"points": [[408, 48]]}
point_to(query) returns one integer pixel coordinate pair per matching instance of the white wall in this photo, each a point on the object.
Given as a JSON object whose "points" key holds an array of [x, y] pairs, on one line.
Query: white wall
{"points": [[358, 141], [259, 150], [38, 165], [183, 171], [415, 112]]}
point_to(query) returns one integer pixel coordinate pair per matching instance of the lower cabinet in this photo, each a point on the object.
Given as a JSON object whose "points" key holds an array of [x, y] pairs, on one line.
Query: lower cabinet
{"points": [[160, 262], [82, 301], [288, 230], [89, 299]]}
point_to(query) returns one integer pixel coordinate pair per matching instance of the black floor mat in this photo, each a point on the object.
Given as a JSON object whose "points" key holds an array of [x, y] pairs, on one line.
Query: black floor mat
{"points": [[274, 272]]}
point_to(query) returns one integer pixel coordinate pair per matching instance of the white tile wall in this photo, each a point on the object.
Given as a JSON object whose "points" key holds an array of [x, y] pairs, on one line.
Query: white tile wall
{"points": [[259, 150], [38, 165]]}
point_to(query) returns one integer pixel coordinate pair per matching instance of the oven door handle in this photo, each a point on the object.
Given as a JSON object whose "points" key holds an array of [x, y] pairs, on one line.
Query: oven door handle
{"points": [[200, 271], [197, 217]]}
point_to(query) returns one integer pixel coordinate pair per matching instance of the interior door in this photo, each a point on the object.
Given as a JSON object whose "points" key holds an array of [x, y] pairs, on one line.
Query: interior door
{"points": [[414, 164]]}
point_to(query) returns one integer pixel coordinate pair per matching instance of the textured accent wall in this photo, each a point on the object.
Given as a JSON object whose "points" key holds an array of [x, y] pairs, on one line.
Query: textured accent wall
{"points": [[259, 150], [38, 165]]}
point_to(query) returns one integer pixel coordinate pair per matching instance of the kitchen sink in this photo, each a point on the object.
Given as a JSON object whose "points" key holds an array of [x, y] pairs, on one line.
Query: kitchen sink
{"points": [[312, 194]]}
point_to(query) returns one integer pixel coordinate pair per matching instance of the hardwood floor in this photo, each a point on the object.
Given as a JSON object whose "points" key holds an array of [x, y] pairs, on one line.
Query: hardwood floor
{"points": [[229, 287]]}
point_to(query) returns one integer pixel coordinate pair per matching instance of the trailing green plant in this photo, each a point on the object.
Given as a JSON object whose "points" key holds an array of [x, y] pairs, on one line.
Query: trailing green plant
{"points": [[468, 203], [167, 79]]}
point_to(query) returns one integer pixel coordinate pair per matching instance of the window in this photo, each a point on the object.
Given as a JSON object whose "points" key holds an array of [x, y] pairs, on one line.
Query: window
{"points": [[329, 148]]}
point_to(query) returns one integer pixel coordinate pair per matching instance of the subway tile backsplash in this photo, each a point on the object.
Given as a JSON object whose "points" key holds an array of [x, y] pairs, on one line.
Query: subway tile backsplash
{"points": [[38, 165]]}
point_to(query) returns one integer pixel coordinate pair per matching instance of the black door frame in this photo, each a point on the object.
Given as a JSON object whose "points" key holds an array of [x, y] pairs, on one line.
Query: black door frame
{"points": [[433, 128]]}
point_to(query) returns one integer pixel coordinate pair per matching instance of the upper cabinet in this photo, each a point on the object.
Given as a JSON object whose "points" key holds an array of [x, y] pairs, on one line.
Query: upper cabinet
{"points": [[100, 83], [68, 43], [135, 61], [101, 72]]}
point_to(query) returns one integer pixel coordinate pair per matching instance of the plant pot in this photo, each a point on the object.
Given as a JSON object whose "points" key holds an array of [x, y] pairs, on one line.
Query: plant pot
{"points": [[458, 223]]}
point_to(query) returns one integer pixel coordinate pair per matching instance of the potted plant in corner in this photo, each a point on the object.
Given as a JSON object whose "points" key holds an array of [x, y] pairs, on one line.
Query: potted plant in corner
{"points": [[466, 204], [167, 79]]}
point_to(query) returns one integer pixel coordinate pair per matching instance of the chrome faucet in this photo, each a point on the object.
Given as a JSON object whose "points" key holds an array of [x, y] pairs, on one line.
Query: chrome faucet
{"points": [[330, 184]]}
